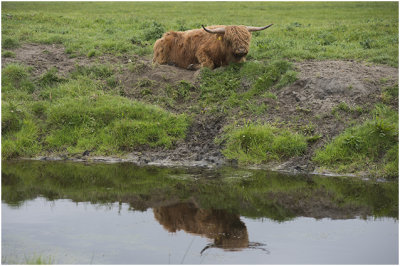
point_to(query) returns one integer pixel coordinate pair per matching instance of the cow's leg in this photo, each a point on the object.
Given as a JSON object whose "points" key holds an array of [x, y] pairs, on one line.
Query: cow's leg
{"points": [[204, 59]]}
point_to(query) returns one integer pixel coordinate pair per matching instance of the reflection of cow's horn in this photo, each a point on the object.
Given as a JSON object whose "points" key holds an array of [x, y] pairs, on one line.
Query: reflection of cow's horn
{"points": [[258, 28], [217, 30]]}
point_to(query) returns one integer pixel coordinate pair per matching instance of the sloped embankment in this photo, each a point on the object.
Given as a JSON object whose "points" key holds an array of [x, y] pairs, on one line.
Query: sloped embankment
{"points": [[326, 98]]}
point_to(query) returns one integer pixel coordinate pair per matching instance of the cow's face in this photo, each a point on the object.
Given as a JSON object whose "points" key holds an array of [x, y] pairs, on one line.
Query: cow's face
{"points": [[237, 40]]}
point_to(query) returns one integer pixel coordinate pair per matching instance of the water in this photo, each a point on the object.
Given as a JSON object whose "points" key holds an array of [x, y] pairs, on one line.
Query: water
{"points": [[68, 213]]}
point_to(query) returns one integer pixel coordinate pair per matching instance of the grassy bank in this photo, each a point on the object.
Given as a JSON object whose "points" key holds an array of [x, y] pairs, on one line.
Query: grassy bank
{"points": [[375, 142], [51, 114], [96, 107]]}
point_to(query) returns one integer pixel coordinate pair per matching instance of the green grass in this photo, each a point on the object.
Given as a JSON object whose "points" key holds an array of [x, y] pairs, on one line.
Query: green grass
{"points": [[16, 77], [302, 30], [241, 85], [343, 107], [7, 54], [254, 143], [9, 43], [51, 114], [120, 124], [372, 144], [390, 95]]}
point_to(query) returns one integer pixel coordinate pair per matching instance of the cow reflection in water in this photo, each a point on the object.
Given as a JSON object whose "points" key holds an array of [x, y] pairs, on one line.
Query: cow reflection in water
{"points": [[226, 229]]}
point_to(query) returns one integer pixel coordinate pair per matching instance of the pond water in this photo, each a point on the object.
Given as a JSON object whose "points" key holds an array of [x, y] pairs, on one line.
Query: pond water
{"points": [[74, 213]]}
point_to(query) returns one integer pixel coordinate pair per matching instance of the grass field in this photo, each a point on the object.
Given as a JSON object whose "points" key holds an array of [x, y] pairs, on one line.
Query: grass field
{"points": [[86, 111], [302, 30]]}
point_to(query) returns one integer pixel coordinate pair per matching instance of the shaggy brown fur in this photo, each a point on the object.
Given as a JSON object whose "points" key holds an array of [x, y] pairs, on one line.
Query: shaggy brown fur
{"points": [[194, 49]]}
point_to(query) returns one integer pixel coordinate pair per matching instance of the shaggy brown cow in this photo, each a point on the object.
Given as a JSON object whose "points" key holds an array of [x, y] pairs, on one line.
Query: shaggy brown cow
{"points": [[208, 47]]}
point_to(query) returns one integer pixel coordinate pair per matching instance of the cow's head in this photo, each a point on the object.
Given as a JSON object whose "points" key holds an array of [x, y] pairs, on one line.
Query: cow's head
{"points": [[236, 38]]}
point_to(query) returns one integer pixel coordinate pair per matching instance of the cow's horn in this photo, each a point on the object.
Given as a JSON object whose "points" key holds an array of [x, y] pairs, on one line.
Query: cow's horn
{"points": [[258, 28], [217, 30]]}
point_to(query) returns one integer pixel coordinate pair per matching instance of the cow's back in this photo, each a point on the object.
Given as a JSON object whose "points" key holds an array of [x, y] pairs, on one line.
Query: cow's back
{"points": [[193, 47], [179, 48]]}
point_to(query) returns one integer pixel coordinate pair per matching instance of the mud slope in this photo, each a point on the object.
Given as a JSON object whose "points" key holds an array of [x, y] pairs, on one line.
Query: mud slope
{"points": [[306, 106]]}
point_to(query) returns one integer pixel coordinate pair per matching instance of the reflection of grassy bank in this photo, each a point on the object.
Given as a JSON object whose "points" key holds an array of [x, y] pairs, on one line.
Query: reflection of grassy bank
{"points": [[249, 193]]}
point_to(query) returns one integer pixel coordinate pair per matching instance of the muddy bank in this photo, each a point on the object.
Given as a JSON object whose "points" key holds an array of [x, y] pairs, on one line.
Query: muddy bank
{"points": [[309, 105]]}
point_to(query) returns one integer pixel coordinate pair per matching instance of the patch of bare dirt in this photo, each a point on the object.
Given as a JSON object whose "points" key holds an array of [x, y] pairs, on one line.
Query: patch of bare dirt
{"points": [[42, 58], [143, 69], [306, 105]]}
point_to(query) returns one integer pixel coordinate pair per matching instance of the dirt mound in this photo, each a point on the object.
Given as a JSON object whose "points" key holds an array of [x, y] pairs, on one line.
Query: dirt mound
{"points": [[324, 84], [42, 58], [327, 97], [142, 68]]}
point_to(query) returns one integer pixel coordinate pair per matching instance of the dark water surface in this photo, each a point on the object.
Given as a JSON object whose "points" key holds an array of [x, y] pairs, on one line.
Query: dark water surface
{"points": [[72, 213]]}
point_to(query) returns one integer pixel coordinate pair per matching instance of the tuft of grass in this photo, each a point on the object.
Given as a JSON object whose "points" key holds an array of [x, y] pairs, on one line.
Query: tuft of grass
{"points": [[91, 53], [10, 43], [275, 73], [180, 91], [11, 117], [137, 67], [153, 31], [24, 143], [256, 143], [7, 54], [373, 142], [344, 107], [93, 71], [288, 78], [16, 77], [390, 94], [50, 77]]}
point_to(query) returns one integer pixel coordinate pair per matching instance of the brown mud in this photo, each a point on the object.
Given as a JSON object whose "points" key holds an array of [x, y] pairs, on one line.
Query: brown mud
{"points": [[308, 105]]}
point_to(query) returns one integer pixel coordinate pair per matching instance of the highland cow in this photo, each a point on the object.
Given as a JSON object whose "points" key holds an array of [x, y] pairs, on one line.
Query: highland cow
{"points": [[210, 47]]}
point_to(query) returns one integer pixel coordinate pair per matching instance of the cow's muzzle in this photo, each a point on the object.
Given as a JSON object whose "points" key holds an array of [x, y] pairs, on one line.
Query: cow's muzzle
{"points": [[240, 54]]}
